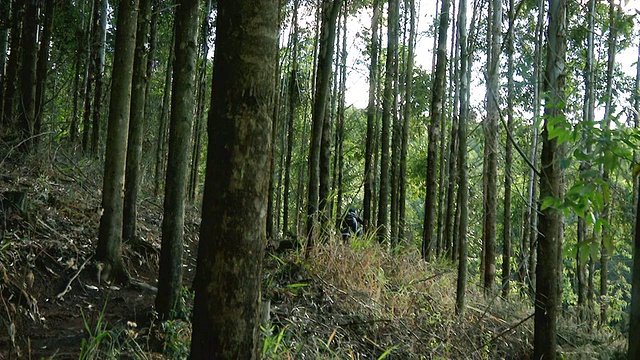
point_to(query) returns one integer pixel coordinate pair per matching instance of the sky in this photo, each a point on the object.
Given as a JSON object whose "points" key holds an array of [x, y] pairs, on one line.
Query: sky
{"points": [[357, 77]]}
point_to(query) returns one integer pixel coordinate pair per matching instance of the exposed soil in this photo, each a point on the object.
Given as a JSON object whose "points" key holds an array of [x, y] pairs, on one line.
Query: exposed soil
{"points": [[50, 296]]}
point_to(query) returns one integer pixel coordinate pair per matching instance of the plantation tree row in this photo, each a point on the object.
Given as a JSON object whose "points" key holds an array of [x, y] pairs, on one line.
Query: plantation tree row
{"points": [[526, 187]]}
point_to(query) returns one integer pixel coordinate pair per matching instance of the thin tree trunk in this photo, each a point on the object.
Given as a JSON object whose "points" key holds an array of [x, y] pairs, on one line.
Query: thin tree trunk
{"points": [[406, 118], [294, 100], [5, 18], [550, 225], [27, 106], [109, 251], [330, 10], [136, 124], [162, 121], [436, 112], [371, 119], [463, 190], [506, 229], [88, 81], [100, 39], [13, 64], [43, 68]]}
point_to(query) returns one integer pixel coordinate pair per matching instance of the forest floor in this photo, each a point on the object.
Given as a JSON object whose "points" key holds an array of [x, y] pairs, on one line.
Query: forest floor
{"points": [[353, 301]]}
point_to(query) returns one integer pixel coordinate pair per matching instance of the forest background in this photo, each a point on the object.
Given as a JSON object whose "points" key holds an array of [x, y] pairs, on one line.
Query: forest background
{"points": [[480, 145]]}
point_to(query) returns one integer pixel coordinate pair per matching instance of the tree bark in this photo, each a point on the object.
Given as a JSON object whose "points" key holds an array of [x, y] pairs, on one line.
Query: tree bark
{"points": [[109, 251], [43, 68], [371, 118], [506, 229], [13, 63], [330, 11], [136, 123], [27, 106], [436, 112], [161, 144], [100, 40], [551, 219], [229, 272], [182, 109], [463, 190]]}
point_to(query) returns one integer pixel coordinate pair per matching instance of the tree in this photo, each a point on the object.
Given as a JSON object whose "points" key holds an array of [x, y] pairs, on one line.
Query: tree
{"points": [[27, 107], [136, 123], [182, 110], [388, 113], [42, 67], [100, 42], [436, 111], [229, 270], [634, 318], [463, 190], [371, 118], [551, 218], [330, 11], [11, 77], [490, 169], [109, 251], [506, 229]]}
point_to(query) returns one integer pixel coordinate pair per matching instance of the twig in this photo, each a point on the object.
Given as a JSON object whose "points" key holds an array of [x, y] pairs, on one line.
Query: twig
{"points": [[68, 287], [504, 332]]}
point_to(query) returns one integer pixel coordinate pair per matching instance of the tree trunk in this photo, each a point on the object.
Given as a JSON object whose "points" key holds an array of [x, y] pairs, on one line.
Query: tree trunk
{"points": [[506, 229], [388, 100], [463, 190], [294, 99], [196, 151], [550, 224], [27, 106], [605, 235], [161, 145], [436, 112], [88, 81], [100, 39], [182, 109], [229, 274], [5, 20], [330, 10], [13, 63], [406, 118], [371, 119], [109, 251], [43, 68], [634, 312], [136, 124], [582, 252]]}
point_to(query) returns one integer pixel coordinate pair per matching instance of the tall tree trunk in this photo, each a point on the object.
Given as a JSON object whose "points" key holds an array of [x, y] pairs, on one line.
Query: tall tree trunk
{"points": [[294, 100], [550, 224], [634, 312], [182, 109], [88, 80], [5, 20], [100, 39], [463, 190], [27, 107], [371, 119], [13, 64], [588, 118], [389, 179], [109, 251], [43, 67], [605, 235], [330, 11], [406, 118], [161, 145], [200, 102], [136, 124], [436, 112], [229, 273], [490, 171], [339, 139], [506, 229]]}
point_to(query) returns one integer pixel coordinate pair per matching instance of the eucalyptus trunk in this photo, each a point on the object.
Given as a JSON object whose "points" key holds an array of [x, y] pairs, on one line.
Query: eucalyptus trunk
{"points": [[109, 251], [229, 272]]}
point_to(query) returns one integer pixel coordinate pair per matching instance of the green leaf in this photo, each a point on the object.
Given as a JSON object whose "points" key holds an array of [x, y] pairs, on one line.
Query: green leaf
{"points": [[608, 244], [387, 352]]}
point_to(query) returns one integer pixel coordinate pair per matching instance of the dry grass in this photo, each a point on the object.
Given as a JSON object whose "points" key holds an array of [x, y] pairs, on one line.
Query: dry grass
{"points": [[362, 302]]}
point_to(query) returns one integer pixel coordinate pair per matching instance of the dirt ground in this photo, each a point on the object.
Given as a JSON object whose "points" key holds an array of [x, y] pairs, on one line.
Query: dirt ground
{"points": [[50, 297]]}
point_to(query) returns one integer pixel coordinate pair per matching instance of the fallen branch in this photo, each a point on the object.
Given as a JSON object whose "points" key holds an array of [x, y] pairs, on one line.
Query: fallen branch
{"points": [[68, 287]]}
